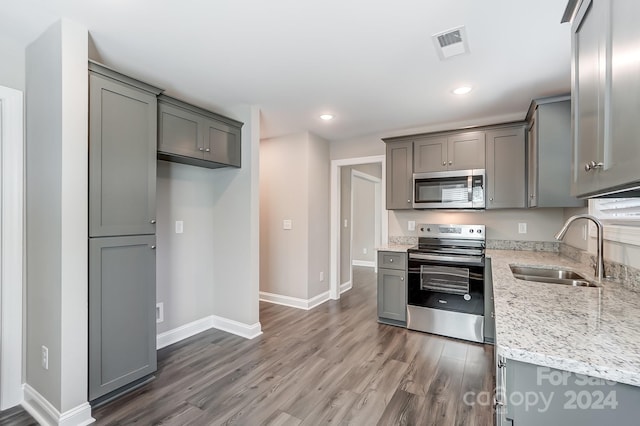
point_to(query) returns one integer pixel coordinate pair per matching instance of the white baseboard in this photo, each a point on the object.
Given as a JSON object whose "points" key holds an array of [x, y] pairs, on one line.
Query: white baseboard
{"points": [[248, 331], [294, 302], [345, 287], [46, 414], [367, 263]]}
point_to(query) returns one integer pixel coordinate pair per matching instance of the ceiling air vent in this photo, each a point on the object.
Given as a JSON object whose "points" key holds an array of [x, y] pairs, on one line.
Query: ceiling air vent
{"points": [[450, 43]]}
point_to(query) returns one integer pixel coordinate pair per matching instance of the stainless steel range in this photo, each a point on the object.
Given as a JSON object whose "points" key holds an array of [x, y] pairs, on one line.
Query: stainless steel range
{"points": [[446, 281]]}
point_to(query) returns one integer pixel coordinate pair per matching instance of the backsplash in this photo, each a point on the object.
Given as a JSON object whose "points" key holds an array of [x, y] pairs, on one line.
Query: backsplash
{"points": [[547, 246], [626, 275], [403, 240]]}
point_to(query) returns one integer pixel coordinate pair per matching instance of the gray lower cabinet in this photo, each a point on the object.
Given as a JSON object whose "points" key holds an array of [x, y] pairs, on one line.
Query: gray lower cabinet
{"points": [[549, 152], [122, 157], [392, 288], [122, 324], [191, 135], [399, 175], [532, 395], [506, 168]]}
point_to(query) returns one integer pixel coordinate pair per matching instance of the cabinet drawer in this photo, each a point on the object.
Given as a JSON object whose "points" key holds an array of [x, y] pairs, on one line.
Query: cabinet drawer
{"points": [[392, 260]]}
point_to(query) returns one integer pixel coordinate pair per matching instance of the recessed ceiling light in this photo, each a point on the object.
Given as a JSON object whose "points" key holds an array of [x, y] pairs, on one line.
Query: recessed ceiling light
{"points": [[327, 117], [463, 90]]}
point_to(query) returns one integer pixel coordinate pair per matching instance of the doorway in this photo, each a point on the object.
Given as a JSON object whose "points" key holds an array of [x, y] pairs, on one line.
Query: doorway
{"points": [[359, 220]]}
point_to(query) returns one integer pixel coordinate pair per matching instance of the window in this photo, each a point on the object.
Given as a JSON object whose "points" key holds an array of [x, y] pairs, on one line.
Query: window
{"points": [[621, 219]]}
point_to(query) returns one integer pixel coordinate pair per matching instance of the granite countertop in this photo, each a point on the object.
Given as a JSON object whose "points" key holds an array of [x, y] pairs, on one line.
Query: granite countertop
{"points": [[582, 330], [395, 247]]}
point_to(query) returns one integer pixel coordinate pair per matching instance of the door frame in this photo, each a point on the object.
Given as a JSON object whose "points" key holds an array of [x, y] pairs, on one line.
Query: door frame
{"points": [[377, 188], [334, 256], [11, 245]]}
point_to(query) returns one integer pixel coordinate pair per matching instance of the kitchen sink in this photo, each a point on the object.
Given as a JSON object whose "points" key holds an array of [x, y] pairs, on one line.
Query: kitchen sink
{"points": [[551, 275]]}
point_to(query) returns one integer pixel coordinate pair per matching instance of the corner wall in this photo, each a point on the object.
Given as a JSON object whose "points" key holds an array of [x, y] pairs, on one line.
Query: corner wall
{"points": [[12, 71], [56, 224], [294, 185]]}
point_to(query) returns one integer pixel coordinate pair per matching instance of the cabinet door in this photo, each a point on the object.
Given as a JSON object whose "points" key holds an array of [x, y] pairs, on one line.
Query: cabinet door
{"points": [[621, 156], [532, 157], [122, 325], [466, 151], [399, 175], [392, 294], [589, 81], [180, 132], [430, 155], [222, 143], [506, 168], [122, 159]]}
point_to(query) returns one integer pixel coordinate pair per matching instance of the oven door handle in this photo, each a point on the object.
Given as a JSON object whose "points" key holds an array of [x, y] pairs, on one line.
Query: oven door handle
{"points": [[470, 187], [471, 259]]}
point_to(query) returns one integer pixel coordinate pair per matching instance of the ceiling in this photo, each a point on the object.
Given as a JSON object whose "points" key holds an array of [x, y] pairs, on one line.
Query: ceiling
{"points": [[372, 63]]}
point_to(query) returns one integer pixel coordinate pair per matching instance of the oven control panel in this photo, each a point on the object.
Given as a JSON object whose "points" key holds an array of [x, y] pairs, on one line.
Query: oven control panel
{"points": [[473, 232]]}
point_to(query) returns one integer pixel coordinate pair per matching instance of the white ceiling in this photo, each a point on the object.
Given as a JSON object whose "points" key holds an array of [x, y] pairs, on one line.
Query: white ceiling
{"points": [[372, 63]]}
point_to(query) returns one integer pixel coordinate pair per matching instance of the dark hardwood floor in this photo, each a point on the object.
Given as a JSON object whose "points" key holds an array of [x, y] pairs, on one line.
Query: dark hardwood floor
{"points": [[332, 364]]}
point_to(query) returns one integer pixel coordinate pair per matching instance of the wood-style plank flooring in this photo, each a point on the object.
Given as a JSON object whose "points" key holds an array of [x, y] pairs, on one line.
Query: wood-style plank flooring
{"points": [[333, 364]]}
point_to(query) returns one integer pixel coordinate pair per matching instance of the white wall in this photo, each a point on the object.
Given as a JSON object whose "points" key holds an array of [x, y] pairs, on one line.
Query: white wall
{"points": [[184, 262], [294, 184], [56, 219], [12, 70], [318, 198], [236, 254]]}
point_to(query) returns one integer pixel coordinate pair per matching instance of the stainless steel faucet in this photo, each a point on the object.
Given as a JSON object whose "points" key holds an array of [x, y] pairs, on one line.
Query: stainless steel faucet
{"points": [[599, 270]]}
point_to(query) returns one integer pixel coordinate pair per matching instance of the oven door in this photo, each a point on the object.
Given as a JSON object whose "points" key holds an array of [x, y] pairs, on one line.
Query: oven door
{"points": [[453, 284]]}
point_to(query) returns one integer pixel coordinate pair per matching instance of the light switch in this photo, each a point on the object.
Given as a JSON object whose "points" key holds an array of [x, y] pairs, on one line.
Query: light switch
{"points": [[522, 228], [179, 227], [287, 224]]}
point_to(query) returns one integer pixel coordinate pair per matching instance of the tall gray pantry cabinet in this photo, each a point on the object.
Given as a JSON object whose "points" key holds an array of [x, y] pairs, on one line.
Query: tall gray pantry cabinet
{"points": [[122, 185]]}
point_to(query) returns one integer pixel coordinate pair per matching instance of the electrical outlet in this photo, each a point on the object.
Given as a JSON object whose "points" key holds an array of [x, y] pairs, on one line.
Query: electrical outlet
{"points": [[364, 250], [159, 312], [411, 225], [179, 227], [45, 357], [522, 228], [346, 224], [321, 276], [287, 224]]}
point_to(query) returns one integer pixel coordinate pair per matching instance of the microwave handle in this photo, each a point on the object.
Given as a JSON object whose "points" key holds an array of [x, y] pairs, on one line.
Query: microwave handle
{"points": [[470, 187]]}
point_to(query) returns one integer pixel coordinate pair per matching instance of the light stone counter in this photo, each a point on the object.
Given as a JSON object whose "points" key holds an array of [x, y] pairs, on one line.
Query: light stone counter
{"points": [[395, 247], [578, 329]]}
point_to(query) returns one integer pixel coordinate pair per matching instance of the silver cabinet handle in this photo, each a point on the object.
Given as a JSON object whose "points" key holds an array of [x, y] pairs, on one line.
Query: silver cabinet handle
{"points": [[408, 201], [444, 163], [201, 149], [490, 199], [152, 221], [390, 260], [497, 403], [592, 165], [401, 278], [493, 314], [450, 162], [153, 247], [207, 150]]}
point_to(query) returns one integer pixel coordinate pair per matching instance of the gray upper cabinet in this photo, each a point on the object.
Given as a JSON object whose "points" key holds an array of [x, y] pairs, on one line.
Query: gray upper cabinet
{"points": [[466, 151], [506, 168], [430, 154], [122, 324], [459, 151], [606, 97], [399, 175], [549, 153], [191, 135], [122, 156]]}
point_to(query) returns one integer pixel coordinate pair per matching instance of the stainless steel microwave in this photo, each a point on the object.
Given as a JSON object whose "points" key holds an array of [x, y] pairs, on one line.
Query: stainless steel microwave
{"points": [[457, 189]]}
